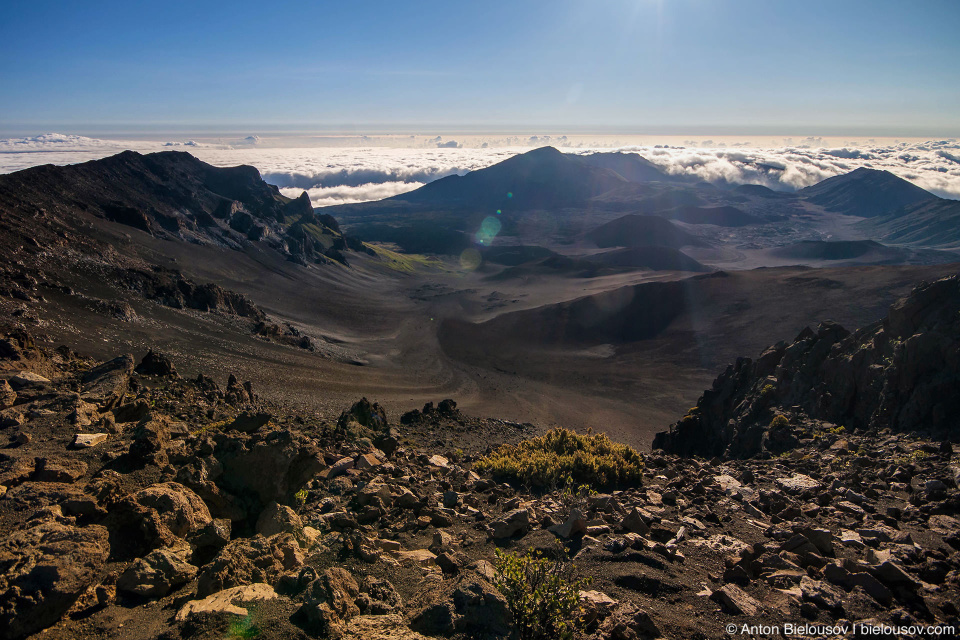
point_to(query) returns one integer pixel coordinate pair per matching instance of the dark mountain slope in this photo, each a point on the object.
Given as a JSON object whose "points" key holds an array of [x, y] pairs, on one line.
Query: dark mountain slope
{"points": [[641, 231], [865, 192], [172, 194], [543, 178], [930, 223]]}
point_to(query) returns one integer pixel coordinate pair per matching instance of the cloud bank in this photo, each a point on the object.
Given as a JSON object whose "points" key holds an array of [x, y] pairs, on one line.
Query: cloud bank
{"points": [[346, 174], [931, 165]]}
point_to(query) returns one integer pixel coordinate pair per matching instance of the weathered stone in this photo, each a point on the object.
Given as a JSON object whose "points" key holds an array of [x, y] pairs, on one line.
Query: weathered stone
{"points": [[8, 397], [596, 605], [798, 483], [250, 560], [156, 364], [891, 573], [736, 600], [67, 471], [338, 468], [330, 600], [87, 440], [438, 461], [820, 594], [366, 414], [277, 518], [26, 379], [422, 557], [367, 461], [135, 411], [468, 604], [43, 570], [106, 384], [163, 514], [635, 522], [226, 601], [512, 523], [574, 524], [450, 499], [250, 421], [157, 573]]}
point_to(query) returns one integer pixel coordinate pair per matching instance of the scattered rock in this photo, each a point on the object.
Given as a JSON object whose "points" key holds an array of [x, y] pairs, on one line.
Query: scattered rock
{"points": [[467, 604], [156, 364], [249, 560], [87, 440], [227, 601], [512, 523], [736, 600], [157, 573], [27, 379]]}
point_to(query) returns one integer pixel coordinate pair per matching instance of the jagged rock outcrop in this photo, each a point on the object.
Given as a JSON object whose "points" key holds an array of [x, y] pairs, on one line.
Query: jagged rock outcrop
{"points": [[902, 373], [174, 195]]}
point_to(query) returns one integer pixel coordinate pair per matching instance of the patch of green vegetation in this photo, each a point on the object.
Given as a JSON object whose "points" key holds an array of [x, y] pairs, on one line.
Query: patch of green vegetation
{"points": [[779, 422], [403, 262], [213, 426], [242, 628], [562, 456], [319, 233], [915, 456], [541, 594], [301, 498]]}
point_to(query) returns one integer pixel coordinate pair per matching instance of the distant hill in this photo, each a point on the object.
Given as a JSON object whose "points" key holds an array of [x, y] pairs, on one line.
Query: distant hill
{"points": [[865, 192], [653, 258], [543, 178], [725, 216], [642, 231], [930, 223]]}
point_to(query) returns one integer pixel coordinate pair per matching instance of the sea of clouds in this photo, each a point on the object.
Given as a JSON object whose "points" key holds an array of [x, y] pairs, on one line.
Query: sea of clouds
{"points": [[344, 170]]}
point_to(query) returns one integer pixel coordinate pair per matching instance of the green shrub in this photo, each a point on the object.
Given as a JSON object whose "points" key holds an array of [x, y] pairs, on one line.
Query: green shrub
{"points": [[779, 421], [563, 457], [541, 594]]}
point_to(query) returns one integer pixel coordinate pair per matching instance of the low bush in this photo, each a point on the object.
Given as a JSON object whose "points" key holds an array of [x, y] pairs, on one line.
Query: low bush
{"points": [[779, 422], [562, 457], [542, 595]]}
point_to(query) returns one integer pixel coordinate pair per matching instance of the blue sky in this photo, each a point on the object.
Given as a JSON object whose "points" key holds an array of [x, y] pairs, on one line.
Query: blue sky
{"points": [[671, 66]]}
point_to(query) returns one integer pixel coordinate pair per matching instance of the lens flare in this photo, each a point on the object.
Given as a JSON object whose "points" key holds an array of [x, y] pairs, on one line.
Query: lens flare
{"points": [[489, 229]]}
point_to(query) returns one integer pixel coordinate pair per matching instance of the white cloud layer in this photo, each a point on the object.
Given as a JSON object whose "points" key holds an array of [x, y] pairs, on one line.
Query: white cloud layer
{"points": [[932, 165], [329, 196], [359, 168]]}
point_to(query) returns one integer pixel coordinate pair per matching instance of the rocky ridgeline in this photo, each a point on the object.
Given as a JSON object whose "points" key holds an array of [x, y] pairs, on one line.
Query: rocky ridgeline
{"points": [[139, 503], [901, 373], [173, 195]]}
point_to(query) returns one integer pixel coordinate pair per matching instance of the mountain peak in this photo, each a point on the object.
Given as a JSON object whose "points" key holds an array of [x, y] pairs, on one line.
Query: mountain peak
{"points": [[866, 193]]}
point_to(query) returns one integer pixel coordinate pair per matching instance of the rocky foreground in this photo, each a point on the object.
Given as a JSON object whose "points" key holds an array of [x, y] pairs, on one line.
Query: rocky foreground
{"points": [[136, 503]]}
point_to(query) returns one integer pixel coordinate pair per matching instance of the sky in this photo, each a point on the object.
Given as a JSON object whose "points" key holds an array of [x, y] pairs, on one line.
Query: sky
{"points": [[694, 67]]}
